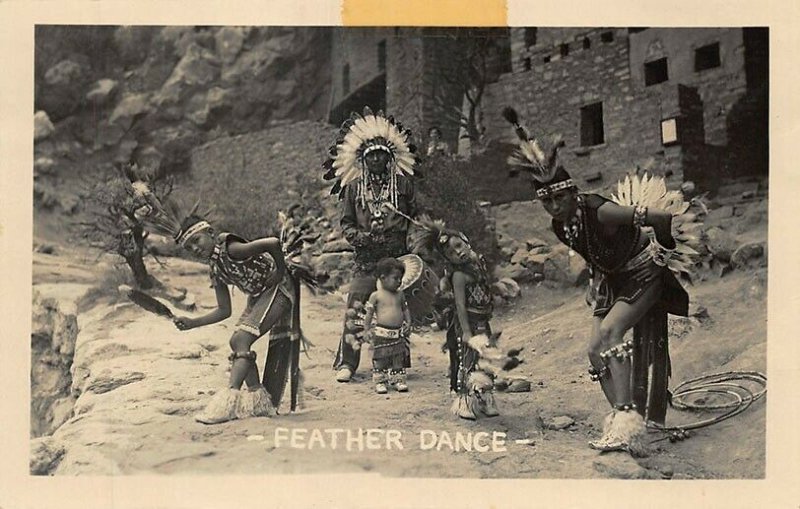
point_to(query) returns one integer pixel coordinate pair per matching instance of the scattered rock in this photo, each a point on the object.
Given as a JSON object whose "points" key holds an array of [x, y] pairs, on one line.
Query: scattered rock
{"points": [[717, 215], [755, 287], [514, 271], [535, 242], [102, 92], [749, 255], [721, 243], [622, 466], [106, 382], [46, 453], [198, 67], [328, 262], [560, 422], [42, 126], [337, 246], [62, 90], [46, 249], [229, 42], [507, 288], [44, 166], [128, 109], [699, 312]]}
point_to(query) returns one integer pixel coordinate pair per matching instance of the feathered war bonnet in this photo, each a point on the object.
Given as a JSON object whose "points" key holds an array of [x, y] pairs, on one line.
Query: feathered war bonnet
{"points": [[547, 175], [360, 135]]}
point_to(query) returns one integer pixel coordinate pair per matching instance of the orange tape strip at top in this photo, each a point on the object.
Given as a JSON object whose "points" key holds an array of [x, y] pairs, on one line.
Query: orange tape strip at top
{"points": [[425, 13]]}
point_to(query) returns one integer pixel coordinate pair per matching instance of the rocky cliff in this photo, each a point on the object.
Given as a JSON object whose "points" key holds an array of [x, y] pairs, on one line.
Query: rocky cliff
{"points": [[104, 95]]}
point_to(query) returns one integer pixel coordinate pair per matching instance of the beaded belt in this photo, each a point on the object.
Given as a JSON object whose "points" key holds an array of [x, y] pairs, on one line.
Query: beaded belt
{"points": [[386, 333]]}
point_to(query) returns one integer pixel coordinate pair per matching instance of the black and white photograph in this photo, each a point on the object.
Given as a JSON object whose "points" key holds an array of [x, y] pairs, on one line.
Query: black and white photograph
{"points": [[529, 252], [403, 253]]}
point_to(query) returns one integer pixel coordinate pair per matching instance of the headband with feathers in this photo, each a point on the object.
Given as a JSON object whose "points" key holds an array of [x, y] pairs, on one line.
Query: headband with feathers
{"points": [[531, 157], [362, 134], [165, 217], [431, 234]]}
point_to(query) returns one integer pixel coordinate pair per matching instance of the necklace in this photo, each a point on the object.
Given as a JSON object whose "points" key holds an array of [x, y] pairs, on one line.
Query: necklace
{"points": [[572, 231]]}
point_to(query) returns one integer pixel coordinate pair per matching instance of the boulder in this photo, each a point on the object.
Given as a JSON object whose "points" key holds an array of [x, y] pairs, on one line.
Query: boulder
{"points": [[329, 262], [202, 107], [752, 254], [102, 92], [128, 109], [108, 381], [559, 423], [514, 271], [54, 331], [507, 288], [519, 256], [535, 242], [132, 43], [44, 166], [42, 126], [197, 68], [622, 466], [229, 42], [62, 90], [45, 454], [719, 214], [720, 243], [336, 246]]}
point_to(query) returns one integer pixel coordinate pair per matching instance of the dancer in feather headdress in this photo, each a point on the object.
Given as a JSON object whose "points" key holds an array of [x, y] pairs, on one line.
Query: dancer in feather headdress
{"points": [[371, 164], [265, 270], [474, 357], [630, 246]]}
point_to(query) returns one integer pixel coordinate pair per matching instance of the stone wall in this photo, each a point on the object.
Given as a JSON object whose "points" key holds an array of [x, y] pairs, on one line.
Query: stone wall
{"points": [[248, 178], [719, 88], [549, 98]]}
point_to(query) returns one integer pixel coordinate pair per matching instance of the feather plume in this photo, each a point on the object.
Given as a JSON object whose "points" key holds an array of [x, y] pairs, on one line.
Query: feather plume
{"points": [[651, 191], [510, 114]]}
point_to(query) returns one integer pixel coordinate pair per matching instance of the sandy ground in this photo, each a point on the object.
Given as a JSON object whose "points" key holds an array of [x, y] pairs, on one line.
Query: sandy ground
{"points": [[142, 380]]}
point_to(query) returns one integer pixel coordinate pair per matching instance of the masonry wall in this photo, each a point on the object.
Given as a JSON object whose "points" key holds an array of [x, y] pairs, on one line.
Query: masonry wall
{"points": [[719, 88], [550, 95], [358, 48]]}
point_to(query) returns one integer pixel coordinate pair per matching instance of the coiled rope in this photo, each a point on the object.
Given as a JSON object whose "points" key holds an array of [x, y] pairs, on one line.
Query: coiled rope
{"points": [[692, 395]]}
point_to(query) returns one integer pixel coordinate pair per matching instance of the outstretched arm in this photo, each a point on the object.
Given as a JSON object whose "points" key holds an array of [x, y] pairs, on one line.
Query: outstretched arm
{"points": [[661, 221], [222, 312]]}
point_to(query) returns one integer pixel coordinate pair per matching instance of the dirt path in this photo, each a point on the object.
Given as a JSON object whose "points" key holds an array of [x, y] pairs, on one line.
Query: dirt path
{"points": [[141, 382]]}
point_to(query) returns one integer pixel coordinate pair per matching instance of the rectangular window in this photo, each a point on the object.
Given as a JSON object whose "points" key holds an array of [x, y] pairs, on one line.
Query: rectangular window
{"points": [[607, 36], [655, 72], [530, 37], [706, 57], [587, 43], [346, 79], [382, 56], [564, 48], [527, 63], [592, 125], [546, 59]]}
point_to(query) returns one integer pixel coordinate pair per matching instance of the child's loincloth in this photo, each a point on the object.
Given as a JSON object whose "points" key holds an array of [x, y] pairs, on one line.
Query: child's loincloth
{"points": [[390, 348]]}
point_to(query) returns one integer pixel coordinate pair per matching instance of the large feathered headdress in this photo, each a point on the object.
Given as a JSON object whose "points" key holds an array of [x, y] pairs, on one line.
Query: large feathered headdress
{"points": [[362, 134], [548, 175]]}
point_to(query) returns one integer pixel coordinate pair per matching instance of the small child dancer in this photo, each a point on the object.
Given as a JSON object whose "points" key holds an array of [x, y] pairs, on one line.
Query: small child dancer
{"points": [[389, 336]]}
